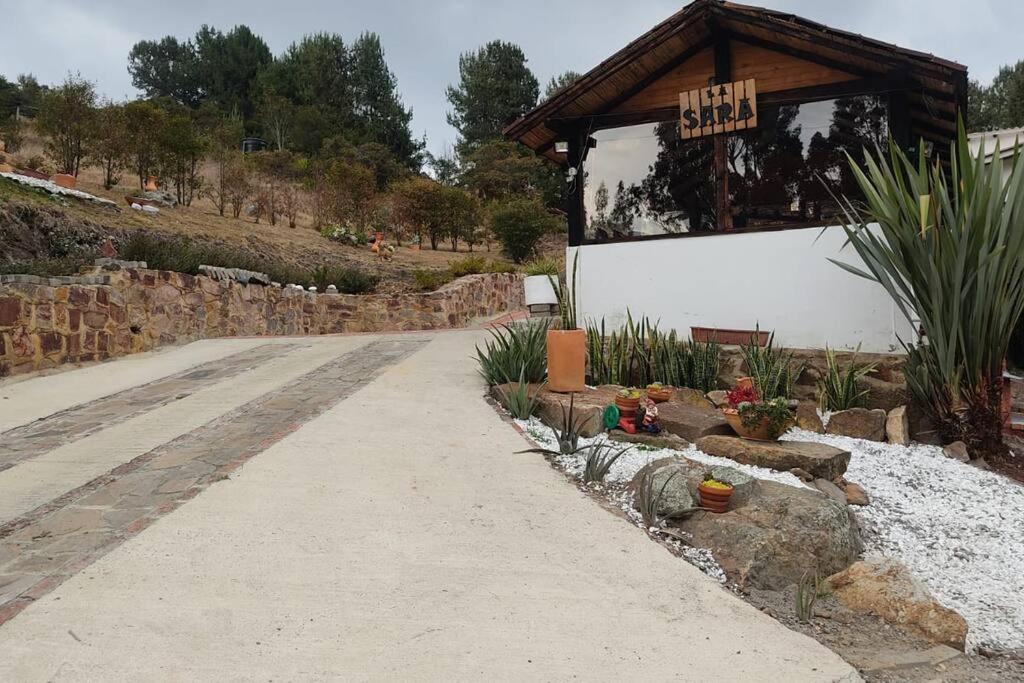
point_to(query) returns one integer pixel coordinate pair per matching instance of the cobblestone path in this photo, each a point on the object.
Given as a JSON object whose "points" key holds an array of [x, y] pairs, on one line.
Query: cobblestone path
{"points": [[46, 545]]}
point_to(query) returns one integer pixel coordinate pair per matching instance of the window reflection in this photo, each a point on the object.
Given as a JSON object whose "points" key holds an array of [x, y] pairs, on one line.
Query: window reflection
{"points": [[644, 180]]}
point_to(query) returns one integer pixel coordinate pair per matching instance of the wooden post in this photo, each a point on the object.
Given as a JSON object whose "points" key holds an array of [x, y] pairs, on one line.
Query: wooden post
{"points": [[574, 190], [723, 208]]}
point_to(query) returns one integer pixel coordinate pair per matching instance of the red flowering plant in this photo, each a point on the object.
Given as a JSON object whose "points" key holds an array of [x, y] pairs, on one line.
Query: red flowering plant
{"points": [[741, 395]]}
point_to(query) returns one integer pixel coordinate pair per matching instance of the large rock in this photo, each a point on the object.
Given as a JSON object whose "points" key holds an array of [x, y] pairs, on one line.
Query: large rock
{"points": [[662, 440], [884, 587], [818, 459], [882, 394], [691, 422], [677, 475], [807, 418], [588, 408], [897, 426], [859, 423], [771, 540]]}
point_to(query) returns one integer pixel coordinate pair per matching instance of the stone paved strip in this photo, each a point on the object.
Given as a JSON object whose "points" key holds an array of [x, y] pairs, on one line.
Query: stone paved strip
{"points": [[25, 442], [43, 548]]}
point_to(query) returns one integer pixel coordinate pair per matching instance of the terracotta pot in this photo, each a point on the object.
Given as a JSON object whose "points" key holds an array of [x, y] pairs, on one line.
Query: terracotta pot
{"points": [[567, 360], [627, 406], [762, 432], [744, 383], [659, 395], [730, 337], [714, 499], [151, 184]]}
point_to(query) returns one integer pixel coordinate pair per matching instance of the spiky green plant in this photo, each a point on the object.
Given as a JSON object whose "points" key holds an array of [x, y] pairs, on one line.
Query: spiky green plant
{"points": [[648, 497], [771, 369], [949, 250], [806, 597], [566, 295], [515, 351], [599, 460], [838, 389], [518, 400], [568, 433]]}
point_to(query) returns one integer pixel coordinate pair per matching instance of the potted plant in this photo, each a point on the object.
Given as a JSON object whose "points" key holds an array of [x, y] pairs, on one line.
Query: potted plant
{"points": [[714, 495], [628, 402], [752, 418], [537, 283], [567, 347], [658, 392]]}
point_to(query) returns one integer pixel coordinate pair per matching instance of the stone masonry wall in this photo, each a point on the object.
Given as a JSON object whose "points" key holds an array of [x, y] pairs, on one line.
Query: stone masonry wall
{"points": [[45, 322]]}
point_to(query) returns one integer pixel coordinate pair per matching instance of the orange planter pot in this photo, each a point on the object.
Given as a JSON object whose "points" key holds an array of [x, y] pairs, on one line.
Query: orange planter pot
{"points": [[660, 395], [714, 499], [567, 360], [627, 406]]}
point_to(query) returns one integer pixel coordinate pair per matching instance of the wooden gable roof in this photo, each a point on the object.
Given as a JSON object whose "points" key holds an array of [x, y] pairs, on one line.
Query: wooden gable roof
{"points": [[790, 56]]}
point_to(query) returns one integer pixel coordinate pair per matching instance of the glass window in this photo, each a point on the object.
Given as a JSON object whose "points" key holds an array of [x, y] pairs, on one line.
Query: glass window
{"points": [[644, 180]]}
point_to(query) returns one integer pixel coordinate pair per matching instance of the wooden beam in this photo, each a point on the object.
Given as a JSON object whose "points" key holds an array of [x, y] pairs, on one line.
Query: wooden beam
{"points": [[574, 210]]}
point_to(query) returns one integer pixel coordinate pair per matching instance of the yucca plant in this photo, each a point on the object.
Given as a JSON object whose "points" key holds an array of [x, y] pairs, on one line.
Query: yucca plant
{"points": [[949, 250], [838, 389], [566, 295], [515, 351], [518, 399], [770, 369], [599, 460]]}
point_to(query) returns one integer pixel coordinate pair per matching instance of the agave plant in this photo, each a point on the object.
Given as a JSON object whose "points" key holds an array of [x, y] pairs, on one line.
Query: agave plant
{"points": [[838, 389], [648, 497], [949, 250], [518, 399], [599, 460], [516, 351], [568, 434]]}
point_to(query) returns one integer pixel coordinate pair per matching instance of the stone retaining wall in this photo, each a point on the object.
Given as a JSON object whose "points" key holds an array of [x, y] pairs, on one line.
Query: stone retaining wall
{"points": [[45, 322]]}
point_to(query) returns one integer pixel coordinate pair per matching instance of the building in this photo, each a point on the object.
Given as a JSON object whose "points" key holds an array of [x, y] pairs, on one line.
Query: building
{"points": [[1007, 140], [703, 161]]}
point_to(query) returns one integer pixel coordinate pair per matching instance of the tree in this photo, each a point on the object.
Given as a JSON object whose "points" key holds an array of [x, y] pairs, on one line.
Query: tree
{"points": [[67, 118], [276, 116], [500, 169], [495, 87], [559, 83], [166, 68], [412, 203], [351, 194], [229, 66], [456, 216], [520, 224], [377, 105], [222, 143], [1000, 104], [181, 148], [445, 166], [143, 126], [110, 147]]}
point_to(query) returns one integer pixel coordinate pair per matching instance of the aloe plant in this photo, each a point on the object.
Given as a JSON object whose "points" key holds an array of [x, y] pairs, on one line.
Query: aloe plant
{"points": [[515, 351], [949, 250]]}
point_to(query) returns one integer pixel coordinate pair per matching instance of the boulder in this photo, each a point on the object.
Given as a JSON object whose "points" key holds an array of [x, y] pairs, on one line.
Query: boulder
{"points": [[663, 440], [588, 408], [742, 483], [882, 394], [691, 422], [770, 541], [677, 476], [719, 397], [859, 423], [855, 493], [818, 459], [897, 426], [957, 451], [807, 418], [885, 587], [830, 490], [693, 398]]}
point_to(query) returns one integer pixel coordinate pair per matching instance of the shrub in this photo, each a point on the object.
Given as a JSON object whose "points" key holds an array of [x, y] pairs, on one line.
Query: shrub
{"points": [[950, 253], [47, 267], [544, 266], [429, 280], [347, 280], [519, 224], [470, 265], [513, 352], [838, 390]]}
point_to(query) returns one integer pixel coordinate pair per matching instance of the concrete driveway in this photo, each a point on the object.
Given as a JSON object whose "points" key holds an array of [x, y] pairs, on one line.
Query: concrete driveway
{"points": [[333, 508]]}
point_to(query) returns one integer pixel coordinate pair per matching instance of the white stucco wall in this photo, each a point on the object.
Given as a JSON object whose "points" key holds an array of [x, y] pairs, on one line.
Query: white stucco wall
{"points": [[781, 281]]}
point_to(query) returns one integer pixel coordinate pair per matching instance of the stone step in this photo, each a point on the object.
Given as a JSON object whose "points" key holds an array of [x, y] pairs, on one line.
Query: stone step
{"points": [[822, 461]]}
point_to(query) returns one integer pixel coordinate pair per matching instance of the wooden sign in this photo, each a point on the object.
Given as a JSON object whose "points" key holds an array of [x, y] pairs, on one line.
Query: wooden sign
{"points": [[718, 109]]}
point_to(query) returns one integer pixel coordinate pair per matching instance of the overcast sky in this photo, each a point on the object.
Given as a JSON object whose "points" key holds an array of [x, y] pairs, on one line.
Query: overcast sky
{"points": [[423, 39]]}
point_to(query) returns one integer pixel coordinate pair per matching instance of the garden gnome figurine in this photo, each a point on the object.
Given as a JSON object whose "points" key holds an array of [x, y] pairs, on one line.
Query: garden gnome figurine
{"points": [[650, 421]]}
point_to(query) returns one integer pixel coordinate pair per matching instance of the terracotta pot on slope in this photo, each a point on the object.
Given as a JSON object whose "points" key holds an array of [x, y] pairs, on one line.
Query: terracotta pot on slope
{"points": [[151, 184], [567, 360]]}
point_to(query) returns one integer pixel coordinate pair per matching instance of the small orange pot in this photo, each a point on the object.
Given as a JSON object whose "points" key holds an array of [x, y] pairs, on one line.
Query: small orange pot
{"points": [[150, 184], [64, 180], [660, 395], [744, 383], [627, 406], [714, 499], [567, 360]]}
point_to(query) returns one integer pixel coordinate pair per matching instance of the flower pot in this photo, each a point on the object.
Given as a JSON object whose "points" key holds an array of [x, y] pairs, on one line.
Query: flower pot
{"points": [[64, 180], [150, 184], [714, 499], [659, 395], [627, 406], [761, 432], [567, 360], [539, 291], [728, 337], [744, 383]]}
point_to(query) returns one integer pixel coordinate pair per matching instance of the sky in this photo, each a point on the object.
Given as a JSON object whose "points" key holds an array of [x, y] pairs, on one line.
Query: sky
{"points": [[423, 40]]}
